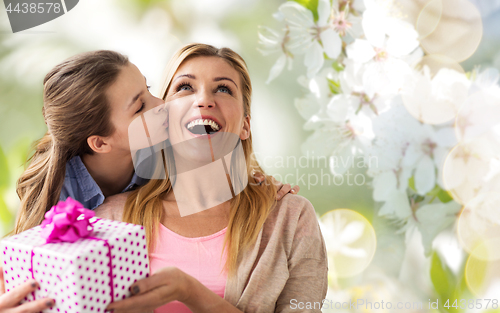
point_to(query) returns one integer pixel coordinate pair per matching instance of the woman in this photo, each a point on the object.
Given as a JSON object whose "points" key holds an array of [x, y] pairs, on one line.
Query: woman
{"points": [[257, 254]]}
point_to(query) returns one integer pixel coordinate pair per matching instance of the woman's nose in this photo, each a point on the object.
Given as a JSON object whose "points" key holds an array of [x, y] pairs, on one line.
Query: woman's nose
{"points": [[204, 100]]}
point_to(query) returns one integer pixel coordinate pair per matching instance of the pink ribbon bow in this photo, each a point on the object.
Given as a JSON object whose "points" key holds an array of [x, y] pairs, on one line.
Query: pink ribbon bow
{"points": [[67, 221]]}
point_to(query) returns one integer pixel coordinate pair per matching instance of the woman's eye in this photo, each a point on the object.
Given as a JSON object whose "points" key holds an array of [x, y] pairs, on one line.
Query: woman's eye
{"points": [[184, 87], [141, 108], [224, 89]]}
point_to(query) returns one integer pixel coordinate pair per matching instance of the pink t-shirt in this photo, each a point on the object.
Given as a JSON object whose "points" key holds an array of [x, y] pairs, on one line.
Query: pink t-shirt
{"points": [[199, 257]]}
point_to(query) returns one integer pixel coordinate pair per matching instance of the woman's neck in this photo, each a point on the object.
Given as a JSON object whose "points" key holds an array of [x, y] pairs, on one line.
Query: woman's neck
{"points": [[201, 189], [206, 187], [111, 173], [171, 209]]}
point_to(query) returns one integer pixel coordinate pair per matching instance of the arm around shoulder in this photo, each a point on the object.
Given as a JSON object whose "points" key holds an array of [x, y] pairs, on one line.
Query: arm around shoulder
{"points": [[112, 207], [307, 283]]}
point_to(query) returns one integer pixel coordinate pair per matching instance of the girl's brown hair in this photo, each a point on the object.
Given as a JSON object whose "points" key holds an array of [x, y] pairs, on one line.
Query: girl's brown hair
{"points": [[248, 210], [75, 107]]}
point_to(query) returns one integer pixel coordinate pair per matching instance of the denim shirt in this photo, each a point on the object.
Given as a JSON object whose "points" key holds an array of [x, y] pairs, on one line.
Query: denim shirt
{"points": [[79, 185]]}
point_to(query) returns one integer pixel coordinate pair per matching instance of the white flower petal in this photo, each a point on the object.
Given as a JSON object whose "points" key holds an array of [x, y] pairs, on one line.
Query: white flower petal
{"points": [[425, 175], [385, 77], [351, 78], [440, 155], [307, 106], [374, 27], [359, 6], [413, 154], [296, 15], [368, 4], [384, 185], [268, 37], [290, 63], [360, 51], [403, 38], [445, 137], [339, 105], [332, 44], [324, 10], [277, 68], [322, 141], [397, 205], [433, 218], [314, 59], [278, 16], [342, 159], [455, 178]]}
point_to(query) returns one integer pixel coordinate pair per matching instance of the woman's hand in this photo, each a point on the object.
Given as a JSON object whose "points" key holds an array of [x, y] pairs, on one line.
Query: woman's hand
{"points": [[9, 302], [166, 285], [2, 284], [283, 189]]}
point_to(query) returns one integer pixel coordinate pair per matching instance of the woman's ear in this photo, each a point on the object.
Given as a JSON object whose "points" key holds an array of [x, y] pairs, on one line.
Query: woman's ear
{"points": [[245, 131], [98, 144]]}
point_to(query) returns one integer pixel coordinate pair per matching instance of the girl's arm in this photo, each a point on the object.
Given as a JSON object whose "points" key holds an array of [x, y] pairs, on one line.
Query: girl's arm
{"points": [[9, 302], [112, 207]]}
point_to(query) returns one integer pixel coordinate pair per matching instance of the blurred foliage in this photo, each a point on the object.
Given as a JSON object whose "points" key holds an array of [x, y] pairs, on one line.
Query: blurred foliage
{"points": [[445, 283], [11, 166], [451, 288], [6, 216], [139, 7]]}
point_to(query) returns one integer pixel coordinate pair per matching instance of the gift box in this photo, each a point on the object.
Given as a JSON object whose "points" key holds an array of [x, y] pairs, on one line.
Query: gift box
{"points": [[85, 266]]}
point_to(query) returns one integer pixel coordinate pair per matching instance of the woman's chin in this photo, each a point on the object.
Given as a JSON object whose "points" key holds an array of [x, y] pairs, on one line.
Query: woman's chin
{"points": [[188, 158]]}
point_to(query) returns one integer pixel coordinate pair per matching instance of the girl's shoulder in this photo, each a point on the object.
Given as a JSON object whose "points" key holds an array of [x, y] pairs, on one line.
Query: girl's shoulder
{"points": [[112, 207]]}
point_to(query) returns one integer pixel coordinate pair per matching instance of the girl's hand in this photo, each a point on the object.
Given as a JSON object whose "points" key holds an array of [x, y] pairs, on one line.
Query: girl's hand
{"points": [[166, 285], [9, 302], [283, 189]]}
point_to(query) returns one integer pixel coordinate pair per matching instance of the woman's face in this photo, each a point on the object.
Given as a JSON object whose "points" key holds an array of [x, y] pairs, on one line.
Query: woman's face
{"points": [[205, 100], [129, 97]]}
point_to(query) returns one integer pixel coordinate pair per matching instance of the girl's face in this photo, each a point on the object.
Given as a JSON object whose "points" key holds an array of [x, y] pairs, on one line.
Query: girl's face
{"points": [[129, 97], [205, 100]]}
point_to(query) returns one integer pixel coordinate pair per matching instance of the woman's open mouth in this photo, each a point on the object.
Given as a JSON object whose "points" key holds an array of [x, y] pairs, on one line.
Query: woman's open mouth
{"points": [[203, 126]]}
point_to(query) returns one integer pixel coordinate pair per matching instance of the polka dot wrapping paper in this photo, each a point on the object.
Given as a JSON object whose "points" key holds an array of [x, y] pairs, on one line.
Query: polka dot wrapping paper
{"points": [[80, 276]]}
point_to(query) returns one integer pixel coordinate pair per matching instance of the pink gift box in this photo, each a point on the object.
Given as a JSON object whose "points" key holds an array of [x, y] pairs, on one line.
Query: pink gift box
{"points": [[82, 276]]}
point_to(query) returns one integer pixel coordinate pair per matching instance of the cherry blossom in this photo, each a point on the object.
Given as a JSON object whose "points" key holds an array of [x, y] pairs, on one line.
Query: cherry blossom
{"points": [[435, 137]]}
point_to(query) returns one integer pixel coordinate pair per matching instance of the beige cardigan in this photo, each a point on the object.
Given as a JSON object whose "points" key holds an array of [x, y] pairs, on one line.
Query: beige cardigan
{"points": [[288, 261]]}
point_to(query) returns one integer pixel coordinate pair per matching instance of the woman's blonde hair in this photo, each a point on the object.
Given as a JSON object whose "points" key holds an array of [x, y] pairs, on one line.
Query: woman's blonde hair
{"points": [[75, 107], [248, 210]]}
